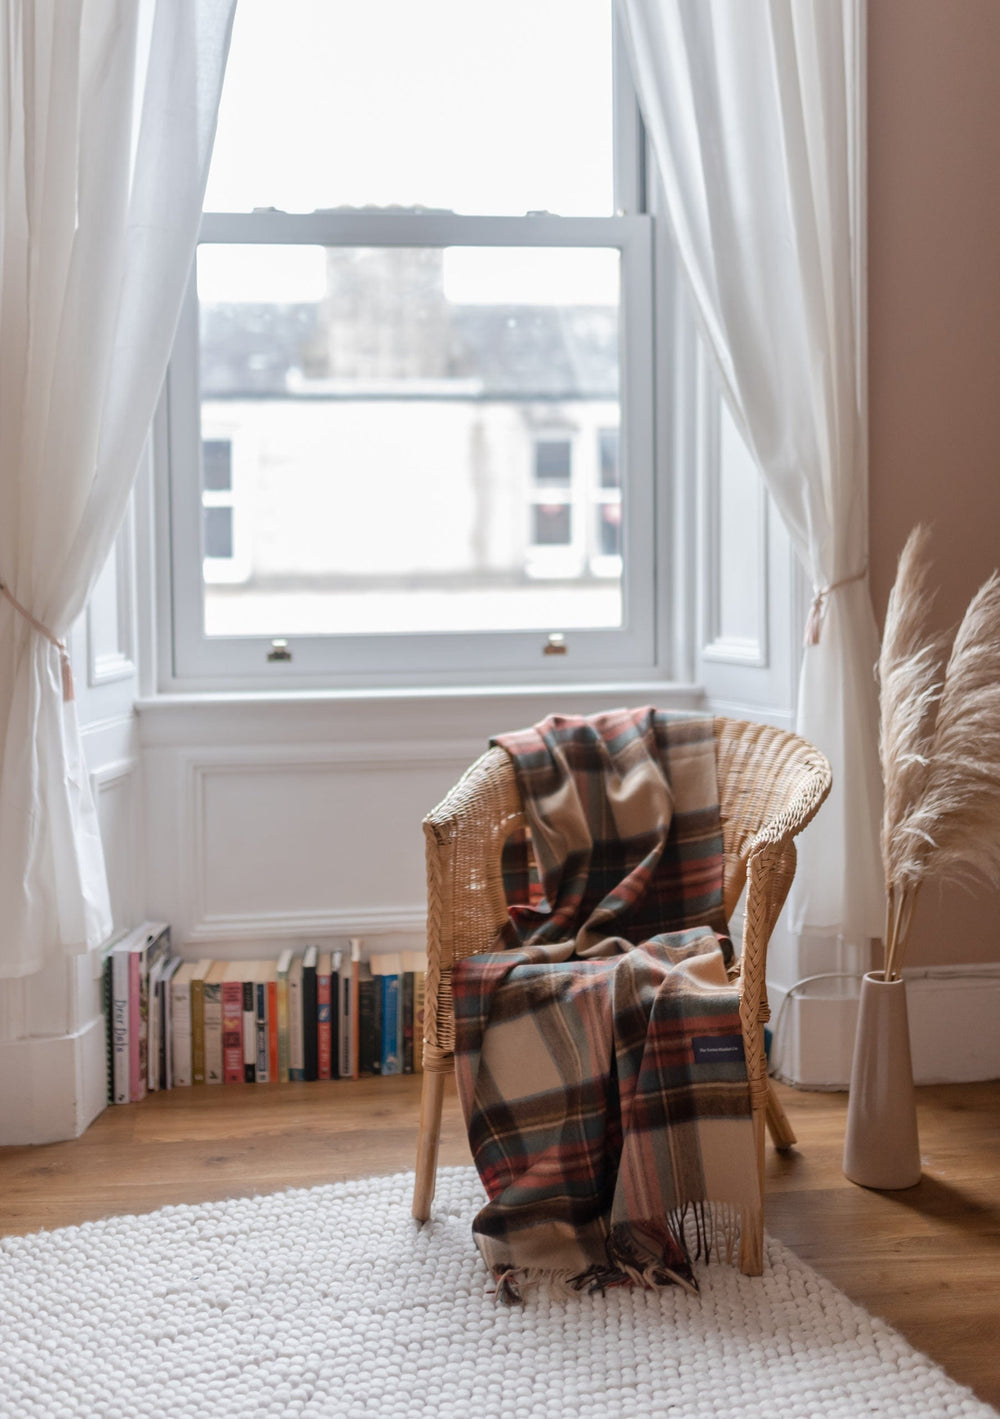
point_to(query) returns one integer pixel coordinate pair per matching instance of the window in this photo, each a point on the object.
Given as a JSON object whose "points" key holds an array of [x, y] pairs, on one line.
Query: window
{"points": [[411, 398]]}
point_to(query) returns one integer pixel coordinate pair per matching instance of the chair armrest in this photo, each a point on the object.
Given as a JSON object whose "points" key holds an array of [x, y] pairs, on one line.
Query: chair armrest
{"points": [[466, 905]]}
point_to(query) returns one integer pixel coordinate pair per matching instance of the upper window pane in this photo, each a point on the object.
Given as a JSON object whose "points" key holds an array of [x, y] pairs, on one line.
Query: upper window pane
{"points": [[476, 106]]}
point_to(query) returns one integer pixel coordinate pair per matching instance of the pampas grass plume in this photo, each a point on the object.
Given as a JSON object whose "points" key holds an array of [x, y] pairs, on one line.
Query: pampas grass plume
{"points": [[939, 744]]}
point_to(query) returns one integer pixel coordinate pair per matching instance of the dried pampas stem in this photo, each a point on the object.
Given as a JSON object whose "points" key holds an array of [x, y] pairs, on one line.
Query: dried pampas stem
{"points": [[939, 745]]}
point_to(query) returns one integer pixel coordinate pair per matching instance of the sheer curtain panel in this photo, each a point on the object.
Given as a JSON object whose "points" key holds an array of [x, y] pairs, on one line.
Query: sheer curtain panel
{"points": [[754, 112], [108, 112]]}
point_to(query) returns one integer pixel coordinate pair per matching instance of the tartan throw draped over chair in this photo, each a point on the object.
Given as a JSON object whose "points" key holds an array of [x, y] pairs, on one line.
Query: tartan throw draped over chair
{"points": [[770, 785]]}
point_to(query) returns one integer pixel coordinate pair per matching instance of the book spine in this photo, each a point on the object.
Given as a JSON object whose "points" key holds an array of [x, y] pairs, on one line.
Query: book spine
{"points": [[262, 1061], [418, 1022], [391, 1062], [168, 1034], [107, 996], [232, 1032], [310, 1025], [213, 1031], [296, 1060], [138, 1026], [284, 1041], [272, 1031], [162, 992], [323, 1023], [369, 1025], [335, 1025], [406, 1003], [120, 1026], [180, 1034], [198, 1031], [249, 1033], [346, 1047]]}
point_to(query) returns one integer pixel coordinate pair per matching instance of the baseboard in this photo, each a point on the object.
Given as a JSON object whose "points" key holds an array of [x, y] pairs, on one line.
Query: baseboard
{"points": [[54, 1085], [953, 1036]]}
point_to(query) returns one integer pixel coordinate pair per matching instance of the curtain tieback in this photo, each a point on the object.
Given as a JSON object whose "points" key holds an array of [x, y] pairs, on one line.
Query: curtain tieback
{"points": [[814, 625], [67, 671]]}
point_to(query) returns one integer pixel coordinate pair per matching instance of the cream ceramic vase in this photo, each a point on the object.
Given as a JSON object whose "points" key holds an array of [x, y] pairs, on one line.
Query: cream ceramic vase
{"points": [[881, 1149]]}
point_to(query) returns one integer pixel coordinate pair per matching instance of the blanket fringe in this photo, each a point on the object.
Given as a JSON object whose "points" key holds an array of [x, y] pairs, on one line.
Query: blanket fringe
{"points": [[649, 1256]]}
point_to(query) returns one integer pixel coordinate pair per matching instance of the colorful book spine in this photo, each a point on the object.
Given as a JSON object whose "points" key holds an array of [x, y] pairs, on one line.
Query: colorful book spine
{"points": [[232, 1031], [120, 968], [355, 944], [406, 1003], [347, 1023], [310, 1015], [296, 1044], [262, 1062], [370, 1023], [418, 1022], [107, 997], [284, 1040], [272, 1029], [391, 1045], [335, 966], [324, 1039], [198, 1028], [249, 1031]]}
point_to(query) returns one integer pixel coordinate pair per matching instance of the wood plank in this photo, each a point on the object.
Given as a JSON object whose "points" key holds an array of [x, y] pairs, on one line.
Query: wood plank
{"points": [[927, 1260]]}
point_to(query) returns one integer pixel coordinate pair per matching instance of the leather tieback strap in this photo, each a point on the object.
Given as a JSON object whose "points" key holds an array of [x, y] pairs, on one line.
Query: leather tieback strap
{"points": [[817, 611], [67, 671]]}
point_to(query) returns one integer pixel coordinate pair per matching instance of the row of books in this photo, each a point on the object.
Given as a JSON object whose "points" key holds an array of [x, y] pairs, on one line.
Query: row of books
{"points": [[311, 1015]]}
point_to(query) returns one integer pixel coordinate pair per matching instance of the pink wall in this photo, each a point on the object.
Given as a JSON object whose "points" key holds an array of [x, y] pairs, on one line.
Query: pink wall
{"points": [[934, 334]]}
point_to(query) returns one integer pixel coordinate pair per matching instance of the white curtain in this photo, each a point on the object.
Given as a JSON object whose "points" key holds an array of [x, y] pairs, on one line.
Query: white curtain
{"points": [[108, 111], [752, 110]]}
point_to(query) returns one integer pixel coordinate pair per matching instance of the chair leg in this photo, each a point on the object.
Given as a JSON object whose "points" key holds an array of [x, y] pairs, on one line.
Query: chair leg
{"points": [[752, 1218], [431, 1099], [781, 1131]]}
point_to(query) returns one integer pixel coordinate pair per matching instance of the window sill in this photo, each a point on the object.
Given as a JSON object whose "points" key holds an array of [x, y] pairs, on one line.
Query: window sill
{"points": [[413, 715]]}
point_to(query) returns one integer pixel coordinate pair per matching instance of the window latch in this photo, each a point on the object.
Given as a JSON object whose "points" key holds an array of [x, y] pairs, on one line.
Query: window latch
{"points": [[279, 651], [555, 644]]}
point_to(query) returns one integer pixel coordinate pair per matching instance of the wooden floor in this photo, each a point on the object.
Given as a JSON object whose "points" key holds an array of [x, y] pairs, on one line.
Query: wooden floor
{"points": [[927, 1260]]}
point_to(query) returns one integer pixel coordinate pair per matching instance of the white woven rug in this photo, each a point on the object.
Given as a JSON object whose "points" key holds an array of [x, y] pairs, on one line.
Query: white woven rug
{"points": [[330, 1301]]}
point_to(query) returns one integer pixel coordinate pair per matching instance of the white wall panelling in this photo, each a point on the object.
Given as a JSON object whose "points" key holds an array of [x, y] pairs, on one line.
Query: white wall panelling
{"points": [[271, 819], [953, 1036]]}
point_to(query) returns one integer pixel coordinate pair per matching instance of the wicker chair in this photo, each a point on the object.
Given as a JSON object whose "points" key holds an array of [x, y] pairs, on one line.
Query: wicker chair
{"points": [[771, 783]]}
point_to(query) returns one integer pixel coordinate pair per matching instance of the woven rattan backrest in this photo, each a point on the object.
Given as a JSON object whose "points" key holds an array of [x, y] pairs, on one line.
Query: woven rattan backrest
{"points": [[770, 785]]}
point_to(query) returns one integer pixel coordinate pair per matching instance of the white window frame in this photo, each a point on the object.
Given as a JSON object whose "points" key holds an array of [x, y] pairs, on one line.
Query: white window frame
{"points": [[425, 658], [190, 661]]}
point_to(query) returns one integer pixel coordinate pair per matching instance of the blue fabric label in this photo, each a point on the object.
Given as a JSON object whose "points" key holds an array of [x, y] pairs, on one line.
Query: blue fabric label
{"points": [[717, 1049]]}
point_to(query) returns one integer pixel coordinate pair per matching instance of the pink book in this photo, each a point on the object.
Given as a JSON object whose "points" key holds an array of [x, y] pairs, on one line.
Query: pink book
{"points": [[324, 1035], [272, 1030], [232, 1028]]}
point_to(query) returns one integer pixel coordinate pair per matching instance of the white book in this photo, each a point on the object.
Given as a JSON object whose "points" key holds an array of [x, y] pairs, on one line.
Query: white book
{"points": [[213, 1023], [169, 971], [296, 1043], [180, 1024]]}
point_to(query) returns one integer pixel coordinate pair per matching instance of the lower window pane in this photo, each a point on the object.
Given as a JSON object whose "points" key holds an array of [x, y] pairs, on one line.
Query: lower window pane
{"points": [[383, 411]]}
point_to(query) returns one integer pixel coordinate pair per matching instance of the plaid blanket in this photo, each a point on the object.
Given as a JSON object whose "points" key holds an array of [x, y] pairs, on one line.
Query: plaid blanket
{"points": [[598, 1050]]}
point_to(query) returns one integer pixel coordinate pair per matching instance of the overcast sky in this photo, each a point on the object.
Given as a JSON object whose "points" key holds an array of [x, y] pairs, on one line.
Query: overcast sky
{"points": [[482, 106]]}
